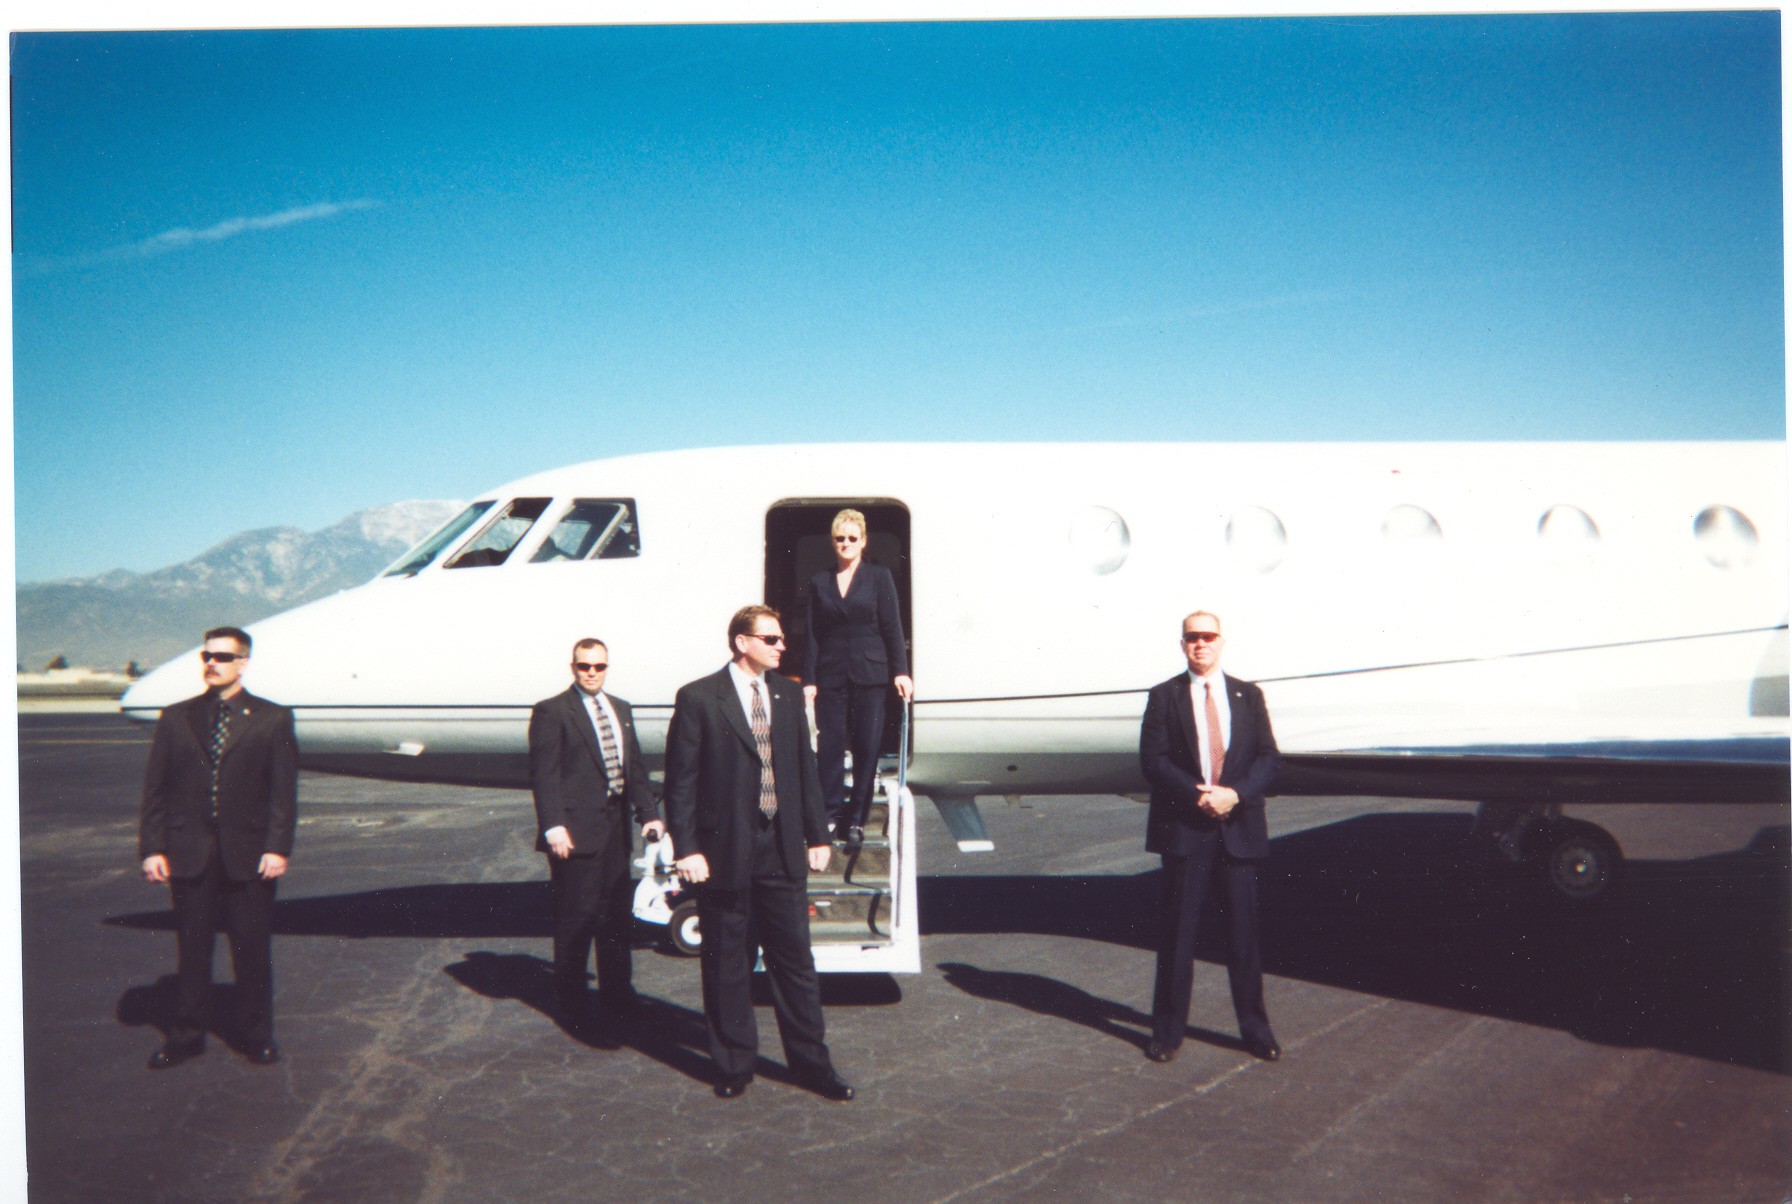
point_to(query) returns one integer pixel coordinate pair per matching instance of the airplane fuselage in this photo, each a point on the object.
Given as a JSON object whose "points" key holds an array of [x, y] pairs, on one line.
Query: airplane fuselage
{"points": [[1466, 605]]}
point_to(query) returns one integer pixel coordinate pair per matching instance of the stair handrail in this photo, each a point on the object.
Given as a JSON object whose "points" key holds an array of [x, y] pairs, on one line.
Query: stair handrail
{"points": [[902, 751]]}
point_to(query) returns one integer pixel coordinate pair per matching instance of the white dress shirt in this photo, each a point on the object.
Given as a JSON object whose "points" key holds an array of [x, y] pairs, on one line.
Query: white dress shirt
{"points": [[743, 685]]}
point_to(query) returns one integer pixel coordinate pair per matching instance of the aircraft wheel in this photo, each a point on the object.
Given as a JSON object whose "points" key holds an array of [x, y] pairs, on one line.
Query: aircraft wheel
{"points": [[1578, 859], [682, 928]]}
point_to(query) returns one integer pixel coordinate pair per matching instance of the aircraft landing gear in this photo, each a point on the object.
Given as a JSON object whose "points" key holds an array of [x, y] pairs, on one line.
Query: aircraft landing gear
{"points": [[1579, 861]]}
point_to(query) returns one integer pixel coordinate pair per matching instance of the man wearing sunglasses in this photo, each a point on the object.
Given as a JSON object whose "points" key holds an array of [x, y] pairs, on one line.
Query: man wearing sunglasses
{"points": [[744, 805], [585, 768], [220, 802], [1209, 752]]}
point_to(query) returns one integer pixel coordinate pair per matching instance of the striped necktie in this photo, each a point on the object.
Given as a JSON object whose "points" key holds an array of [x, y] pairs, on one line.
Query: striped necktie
{"points": [[607, 738], [762, 739]]}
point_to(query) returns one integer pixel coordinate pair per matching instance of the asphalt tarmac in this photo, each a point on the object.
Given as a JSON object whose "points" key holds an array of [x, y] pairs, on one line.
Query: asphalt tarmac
{"points": [[1449, 1031]]}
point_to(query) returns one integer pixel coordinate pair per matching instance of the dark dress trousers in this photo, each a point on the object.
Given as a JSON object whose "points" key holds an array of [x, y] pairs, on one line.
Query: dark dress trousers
{"points": [[591, 888], [1200, 852], [214, 861], [756, 897], [854, 649]]}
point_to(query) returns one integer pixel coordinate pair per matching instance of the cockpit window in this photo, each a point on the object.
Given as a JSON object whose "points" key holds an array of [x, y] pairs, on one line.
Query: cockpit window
{"points": [[593, 529], [419, 557], [501, 534]]}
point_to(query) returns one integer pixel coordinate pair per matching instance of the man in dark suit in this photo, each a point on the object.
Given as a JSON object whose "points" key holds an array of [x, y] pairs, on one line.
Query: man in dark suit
{"points": [[585, 768], [745, 811], [220, 802], [1209, 752]]}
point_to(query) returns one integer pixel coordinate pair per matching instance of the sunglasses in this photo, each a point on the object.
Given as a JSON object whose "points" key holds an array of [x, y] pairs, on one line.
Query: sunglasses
{"points": [[770, 641], [846, 539], [594, 667], [222, 658], [1200, 637]]}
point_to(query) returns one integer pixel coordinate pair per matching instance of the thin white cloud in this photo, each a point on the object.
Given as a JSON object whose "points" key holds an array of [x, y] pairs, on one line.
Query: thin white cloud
{"points": [[174, 240], [181, 238]]}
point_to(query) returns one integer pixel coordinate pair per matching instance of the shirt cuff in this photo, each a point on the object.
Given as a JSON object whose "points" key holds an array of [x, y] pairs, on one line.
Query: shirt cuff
{"points": [[558, 832]]}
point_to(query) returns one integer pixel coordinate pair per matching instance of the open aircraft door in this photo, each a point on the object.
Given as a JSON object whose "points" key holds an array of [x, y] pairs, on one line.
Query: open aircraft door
{"points": [[863, 912]]}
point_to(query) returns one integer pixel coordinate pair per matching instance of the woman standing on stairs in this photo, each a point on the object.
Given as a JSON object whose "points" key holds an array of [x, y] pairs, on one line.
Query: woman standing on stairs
{"points": [[854, 651]]}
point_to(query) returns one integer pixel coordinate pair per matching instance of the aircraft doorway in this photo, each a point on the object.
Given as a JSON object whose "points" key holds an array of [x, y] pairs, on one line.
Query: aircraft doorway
{"points": [[799, 544]]}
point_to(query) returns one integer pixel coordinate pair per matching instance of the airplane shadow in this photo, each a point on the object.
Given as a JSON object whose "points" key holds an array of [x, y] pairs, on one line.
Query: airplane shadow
{"points": [[474, 911], [470, 910], [1686, 956]]}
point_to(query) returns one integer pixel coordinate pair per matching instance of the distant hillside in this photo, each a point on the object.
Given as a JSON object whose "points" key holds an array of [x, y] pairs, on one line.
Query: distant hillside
{"points": [[118, 617]]}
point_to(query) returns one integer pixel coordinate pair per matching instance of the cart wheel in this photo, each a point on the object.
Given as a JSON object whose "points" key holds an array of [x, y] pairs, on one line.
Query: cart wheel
{"points": [[687, 938]]}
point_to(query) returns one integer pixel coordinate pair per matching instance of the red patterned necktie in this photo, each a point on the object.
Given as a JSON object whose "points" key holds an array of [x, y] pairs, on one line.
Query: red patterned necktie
{"points": [[762, 738], [1216, 744]]}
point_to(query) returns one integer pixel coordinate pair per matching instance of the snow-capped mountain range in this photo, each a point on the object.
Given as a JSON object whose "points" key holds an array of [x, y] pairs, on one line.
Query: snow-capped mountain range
{"points": [[118, 617]]}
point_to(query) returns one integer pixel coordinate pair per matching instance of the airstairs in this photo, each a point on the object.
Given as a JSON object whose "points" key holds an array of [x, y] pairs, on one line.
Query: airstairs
{"points": [[862, 908], [864, 915]]}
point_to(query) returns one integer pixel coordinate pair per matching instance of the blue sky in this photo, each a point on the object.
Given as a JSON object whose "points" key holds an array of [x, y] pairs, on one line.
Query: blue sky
{"points": [[273, 277]]}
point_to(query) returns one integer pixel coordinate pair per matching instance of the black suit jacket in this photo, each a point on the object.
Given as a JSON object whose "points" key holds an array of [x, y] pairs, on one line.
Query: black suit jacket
{"points": [[712, 779], [567, 774], [857, 639], [1171, 758], [258, 788]]}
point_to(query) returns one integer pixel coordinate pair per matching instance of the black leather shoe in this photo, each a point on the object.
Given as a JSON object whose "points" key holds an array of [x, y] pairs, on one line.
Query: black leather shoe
{"points": [[264, 1055], [176, 1052], [828, 1085], [1160, 1053], [855, 838], [1268, 1050], [733, 1087]]}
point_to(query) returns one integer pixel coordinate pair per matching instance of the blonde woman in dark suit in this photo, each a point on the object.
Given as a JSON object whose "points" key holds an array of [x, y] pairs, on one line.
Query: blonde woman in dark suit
{"points": [[853, 654]]}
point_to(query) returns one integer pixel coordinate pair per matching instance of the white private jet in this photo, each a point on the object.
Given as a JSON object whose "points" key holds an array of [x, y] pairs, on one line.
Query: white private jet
{"points": [[1523, 625]]}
